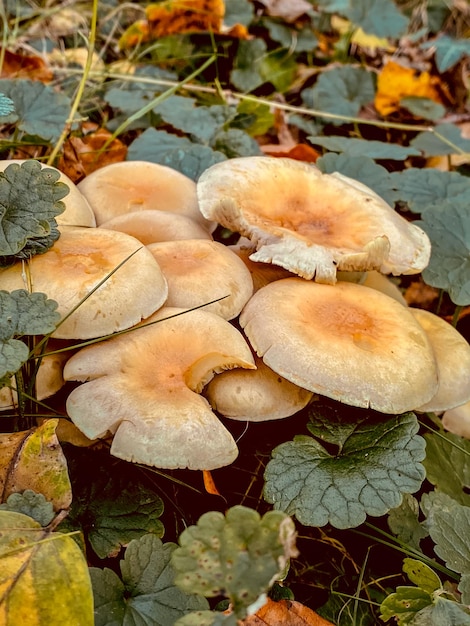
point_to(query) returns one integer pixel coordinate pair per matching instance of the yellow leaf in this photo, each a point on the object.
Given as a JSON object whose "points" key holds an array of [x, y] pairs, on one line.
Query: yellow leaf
{"points": [[44, 577], [34, 460], [396, 82]]}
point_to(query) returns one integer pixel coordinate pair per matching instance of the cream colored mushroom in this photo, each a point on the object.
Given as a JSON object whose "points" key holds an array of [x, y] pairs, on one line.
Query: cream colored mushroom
{"points": [[346, 342], [457, 420], [255, 395], [143, 387], [77, 211], [76, 264], [132, 186], [310, 223], [155, 226], [452, 353], [199, 271], [261, 273]]}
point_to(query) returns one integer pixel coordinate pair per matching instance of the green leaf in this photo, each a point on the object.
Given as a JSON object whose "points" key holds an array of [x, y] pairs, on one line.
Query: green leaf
{"points": [[43, 576], [39, 109], [32, 504], [253, 117], [30, 200], [423, 107], [147, 594], [374, 466], [448, 51], [342, 90], [279, 68], [294, 40], [363, 169], [362, 147], [403, 522], [235, 143], [111, 505], [24, 313], [422, 188], [404, 604], [207, 618], [238, 12], [448, 228], [239, 555], [13, 354], [176, 152], [446, 139], [246, 75], [377, 17], [7, 105], [447, 465], [421, 575]]}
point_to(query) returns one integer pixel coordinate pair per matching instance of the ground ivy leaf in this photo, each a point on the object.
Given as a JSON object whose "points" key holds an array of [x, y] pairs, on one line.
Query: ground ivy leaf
{"points": [[378, 463], [32, 504], [377, 17], [449, 265], [294, 40], [39, 109], [362, 147], [448, 51], [147, 594], [342, 90], [363, 169], [235, 143], [246, 74], [158, 146], [431, 144], [253, 117], [447, 465], [7, 105], [422, 188], [423, 107], [238, 12], [279, 68], [24, 313], [13, 353], [207, 618], [450, 532], [403, 522]]}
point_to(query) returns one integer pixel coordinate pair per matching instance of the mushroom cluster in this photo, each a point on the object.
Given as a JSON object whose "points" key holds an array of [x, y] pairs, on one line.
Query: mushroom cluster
{"points": [[189, 329]]}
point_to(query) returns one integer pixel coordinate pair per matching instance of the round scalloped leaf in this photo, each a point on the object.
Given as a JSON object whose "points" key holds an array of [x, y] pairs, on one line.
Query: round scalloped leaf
{"points": [[239, 556], [13, 353], [32, 504], [24, 313], [43, 576], [448, 228], [7, 105], [362, 147], [30, 200], [376, 463]]}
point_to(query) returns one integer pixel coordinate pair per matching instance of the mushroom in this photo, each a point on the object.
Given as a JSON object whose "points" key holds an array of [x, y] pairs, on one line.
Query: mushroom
{"points": [[199, 271], [346, 341], [155, 226], [452, 353], [457, 420], [310, 223], [76, 264], [255, 395], [77, 211], [143, 387], [132, 186], [261, 273]]}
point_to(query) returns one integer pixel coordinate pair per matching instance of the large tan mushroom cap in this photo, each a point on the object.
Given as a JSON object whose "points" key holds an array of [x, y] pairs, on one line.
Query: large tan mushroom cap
{"points": [[77, 211], [347, 342], [76, 264], [452, 353], [199, 271], [255, 395], [155, 226], [261, 273], [310, 223], [132, 186], [457, 420], [144, 388]]}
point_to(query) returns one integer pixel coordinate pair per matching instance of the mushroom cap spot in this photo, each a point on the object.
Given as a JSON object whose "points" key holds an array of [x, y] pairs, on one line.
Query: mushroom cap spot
{"points": [[77, 263], [155, 226], [199, 270], [255, 395], [308, 222], [452, 353], [344, 341], [78, 211], [142, 388], [131, 186]]}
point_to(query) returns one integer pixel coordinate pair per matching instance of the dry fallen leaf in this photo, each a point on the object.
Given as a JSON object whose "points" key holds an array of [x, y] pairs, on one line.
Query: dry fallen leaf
{"points": [[288, 10], [285, 613], [300, 152], [22, 66], [396, 81]]}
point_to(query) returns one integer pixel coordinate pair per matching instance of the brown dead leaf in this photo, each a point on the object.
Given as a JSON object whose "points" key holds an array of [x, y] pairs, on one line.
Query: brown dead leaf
{"points": [[396, 81], [184, 16], [81, 154], [25, 66], [288, 10], [299, 152], [420, 295], [209, 484], [285, 613], [33, 459]]}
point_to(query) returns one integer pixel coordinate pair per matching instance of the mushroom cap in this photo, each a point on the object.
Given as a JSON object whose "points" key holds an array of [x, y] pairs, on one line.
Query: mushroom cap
{"points": [[199, 271], [77, 211], [144, 388], [310, 223], [261, 273], [452, 353], [255, 395], [131, 186], [79, 260], [155, 226], [346, 341], [457, 420]]}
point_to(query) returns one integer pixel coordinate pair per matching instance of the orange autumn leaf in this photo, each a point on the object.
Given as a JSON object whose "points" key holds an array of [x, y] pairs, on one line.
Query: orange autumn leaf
{"points": [[299, 152], [23, 66], [396, 82], [209, 484], [287, 613], [138, 32], [185, 16]]}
